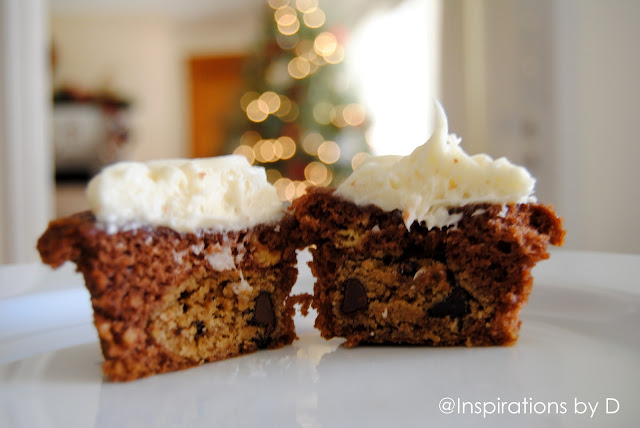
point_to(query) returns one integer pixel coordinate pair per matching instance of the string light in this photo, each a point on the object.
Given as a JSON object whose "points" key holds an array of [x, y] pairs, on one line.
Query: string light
{"points": [[285, 106], [337, 116], [359, 159], [245, 151], [246, 98], [286, 16], [287, 42], [354, 114], [306, 6], [329, 152], [322, 112], [325, 44], [250, 138], [311, 142], [257, 111], [288, 147], [277, 4], [293, 113], [301, 188], [272, 100], [277, 150], [314, 19], [328, 180], [267, 151], [299, 68], [290, 29], [273, 175], [305, 50], [336, 57], [316, 173], [307, 55], [285, 189]]}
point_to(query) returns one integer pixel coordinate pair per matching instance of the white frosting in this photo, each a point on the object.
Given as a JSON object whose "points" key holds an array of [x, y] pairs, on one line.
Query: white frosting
{"points": [[224, 193], [242, 286], [437, 176], [221, 258]]}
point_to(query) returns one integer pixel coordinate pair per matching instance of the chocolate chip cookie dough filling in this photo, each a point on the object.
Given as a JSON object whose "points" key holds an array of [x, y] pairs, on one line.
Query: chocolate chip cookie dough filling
{"points": [[186, 261], [433, 248]]}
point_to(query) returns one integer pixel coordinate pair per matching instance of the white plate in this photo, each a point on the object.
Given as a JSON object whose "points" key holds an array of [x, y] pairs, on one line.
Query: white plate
{"points": [[578, 346]]}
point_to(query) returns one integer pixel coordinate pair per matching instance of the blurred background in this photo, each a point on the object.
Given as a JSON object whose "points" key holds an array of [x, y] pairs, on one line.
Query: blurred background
{"points": [[310, 88]]}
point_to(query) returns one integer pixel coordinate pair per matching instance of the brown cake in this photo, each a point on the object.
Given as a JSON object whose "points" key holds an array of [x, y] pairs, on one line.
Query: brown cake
{"points": [[166, 300], [377, 282], [432, 248]]}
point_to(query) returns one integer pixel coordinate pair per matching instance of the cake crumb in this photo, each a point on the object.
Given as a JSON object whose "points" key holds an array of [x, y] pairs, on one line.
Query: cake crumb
{"points": [[241, 286], [420, 271]]}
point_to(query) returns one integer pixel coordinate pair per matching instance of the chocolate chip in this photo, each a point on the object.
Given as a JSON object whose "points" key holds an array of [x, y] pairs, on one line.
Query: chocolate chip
{"points": [[504, 247], [199, 328], [455, 305], [413, 250], [185, 308], [409, 268], [355, 297], [264, 316], [262, 342], [440, 253]]}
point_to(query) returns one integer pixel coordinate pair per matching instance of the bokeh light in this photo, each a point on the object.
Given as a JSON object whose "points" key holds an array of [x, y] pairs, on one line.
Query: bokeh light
{"points": [[273, 175], [306, 6], [354, 114], [325, 44], [277, 4], [336, 56], [337, 116], [272, 100], [287, 42], [315, 19], [285, 106], [285, 188], [267, 151], [301, 188], [311, 142], [246, 98], [288, 30], [250, 138], [358, 159], [288, 147], [305, 50], [245, 151], [286, 16], [257, 110], [322, 112], [329, 152], [299, 68], [316, 173], [292, 114]]}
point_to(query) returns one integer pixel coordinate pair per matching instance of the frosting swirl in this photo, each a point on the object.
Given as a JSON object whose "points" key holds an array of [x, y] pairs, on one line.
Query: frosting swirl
{"points": [[436, 176]]}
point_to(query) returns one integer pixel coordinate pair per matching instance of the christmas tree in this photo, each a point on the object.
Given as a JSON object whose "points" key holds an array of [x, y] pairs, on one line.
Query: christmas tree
{"points": [[297, 116]]}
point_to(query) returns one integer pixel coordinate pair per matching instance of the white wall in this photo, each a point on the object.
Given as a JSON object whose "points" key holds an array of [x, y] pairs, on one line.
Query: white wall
{"points": [[597, 64], [26, 161], [144, 56], [552, 84], [133, 55]]}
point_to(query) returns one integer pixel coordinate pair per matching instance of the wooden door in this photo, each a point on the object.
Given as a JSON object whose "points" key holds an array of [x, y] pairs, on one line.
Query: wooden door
{"points": [[215, 83]]}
